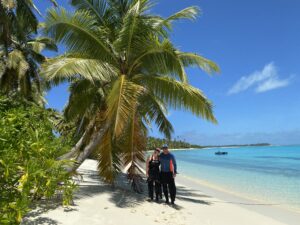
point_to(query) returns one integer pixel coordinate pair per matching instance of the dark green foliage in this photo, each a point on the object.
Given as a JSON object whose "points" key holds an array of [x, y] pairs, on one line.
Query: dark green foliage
{"points": [[28, 166], [21, 51], [153, 143]]}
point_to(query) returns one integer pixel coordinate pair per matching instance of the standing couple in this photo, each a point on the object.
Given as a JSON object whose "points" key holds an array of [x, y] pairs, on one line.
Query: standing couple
{"points": [[161, 170]]}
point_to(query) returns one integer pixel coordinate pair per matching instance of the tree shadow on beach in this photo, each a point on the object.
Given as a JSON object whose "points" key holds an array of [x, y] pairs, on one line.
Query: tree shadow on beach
{"points": [[186, 194], [40, 220], [120, 193], [40, 207], [190, 195], [181, 190]]}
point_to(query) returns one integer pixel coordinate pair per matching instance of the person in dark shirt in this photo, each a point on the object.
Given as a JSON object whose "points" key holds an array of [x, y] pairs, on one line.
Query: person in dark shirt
{"points": [[153, 174], [168, 174]]}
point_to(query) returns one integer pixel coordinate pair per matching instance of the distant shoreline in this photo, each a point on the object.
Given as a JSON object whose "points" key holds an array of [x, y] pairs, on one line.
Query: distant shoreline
{"points": [[222, 146]]}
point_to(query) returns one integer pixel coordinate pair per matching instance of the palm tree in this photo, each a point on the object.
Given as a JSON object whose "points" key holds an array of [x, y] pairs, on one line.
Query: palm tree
{"points": [[20, 49], [124, 73]]}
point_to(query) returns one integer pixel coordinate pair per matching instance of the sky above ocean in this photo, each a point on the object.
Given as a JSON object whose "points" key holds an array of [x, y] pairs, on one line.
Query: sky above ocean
{"points": [[256, 96]]}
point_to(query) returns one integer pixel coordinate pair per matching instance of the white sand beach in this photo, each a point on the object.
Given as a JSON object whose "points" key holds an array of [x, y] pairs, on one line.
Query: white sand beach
{"points": [[97, 203]]}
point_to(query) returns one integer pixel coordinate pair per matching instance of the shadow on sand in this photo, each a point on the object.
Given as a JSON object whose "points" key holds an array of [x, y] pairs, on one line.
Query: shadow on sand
{"points": [[123, 196], [38, 208], [120, 194]]}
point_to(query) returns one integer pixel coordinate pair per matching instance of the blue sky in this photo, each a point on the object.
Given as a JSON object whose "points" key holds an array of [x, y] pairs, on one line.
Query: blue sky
{"points": [[256, 96]]}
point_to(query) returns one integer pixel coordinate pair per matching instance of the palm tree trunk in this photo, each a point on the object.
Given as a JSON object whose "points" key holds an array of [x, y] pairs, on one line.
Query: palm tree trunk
{"points": [[84, 147], [80, 143], [86, 152], [74, 151]]}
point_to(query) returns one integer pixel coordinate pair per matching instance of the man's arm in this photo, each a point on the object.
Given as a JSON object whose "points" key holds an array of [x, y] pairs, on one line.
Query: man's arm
{"points": [[175, 164]]}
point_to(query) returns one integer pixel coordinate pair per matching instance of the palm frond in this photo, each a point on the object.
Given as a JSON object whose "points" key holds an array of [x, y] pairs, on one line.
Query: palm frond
{"points": [[71, 66], [178, 95], [8, 4], [154, 110], [17, 61], [133, 148], [85, 99], [192, 59], [54, 2], [108, 158], [135, 31], [160, 58], [190, 13], [129, 28], [41, 43], [121, 103], [24, 12], [95, 7], [79, 33]]}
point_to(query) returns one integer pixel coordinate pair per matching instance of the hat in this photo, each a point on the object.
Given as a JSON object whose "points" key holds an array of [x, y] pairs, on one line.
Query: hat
{"points": [[157, 149], [165, 146]]}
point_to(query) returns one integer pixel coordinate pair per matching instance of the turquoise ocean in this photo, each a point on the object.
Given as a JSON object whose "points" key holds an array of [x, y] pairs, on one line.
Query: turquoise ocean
{"points": [[270, 174]]}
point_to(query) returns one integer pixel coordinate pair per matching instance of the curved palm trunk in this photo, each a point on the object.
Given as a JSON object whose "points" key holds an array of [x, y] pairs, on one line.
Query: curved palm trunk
{"points": [[85, 153], [90, 139], [83, 148], [74, 151]]}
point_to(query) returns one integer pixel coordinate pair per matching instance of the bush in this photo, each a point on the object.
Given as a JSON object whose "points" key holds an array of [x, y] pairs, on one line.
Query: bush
{"points": [[28, 166]]}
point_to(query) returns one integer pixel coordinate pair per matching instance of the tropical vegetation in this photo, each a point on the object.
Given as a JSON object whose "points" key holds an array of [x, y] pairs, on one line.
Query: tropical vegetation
{"points": [[20, 50], [124, 74], [28, 167], [153, 143], [28, 147]]}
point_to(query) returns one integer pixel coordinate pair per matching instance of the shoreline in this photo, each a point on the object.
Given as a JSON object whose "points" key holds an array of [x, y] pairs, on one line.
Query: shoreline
{"points": [[97, 203], [240, 195], [223, 147], [178, 149], [290, 216]]}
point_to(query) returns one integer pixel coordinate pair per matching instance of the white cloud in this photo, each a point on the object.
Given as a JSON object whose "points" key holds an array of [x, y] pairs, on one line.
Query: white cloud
{"points": [[271, 84], [265, 80]]}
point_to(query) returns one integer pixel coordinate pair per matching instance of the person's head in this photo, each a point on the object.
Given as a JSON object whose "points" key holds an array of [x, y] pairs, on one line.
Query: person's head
{"points": [[156, 152], [165, 149]]}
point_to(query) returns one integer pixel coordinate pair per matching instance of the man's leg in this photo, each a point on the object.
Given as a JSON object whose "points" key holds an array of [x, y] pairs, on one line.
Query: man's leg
{"points": [[160, 190], [164, 180], [165, 189], [172, 189]]}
